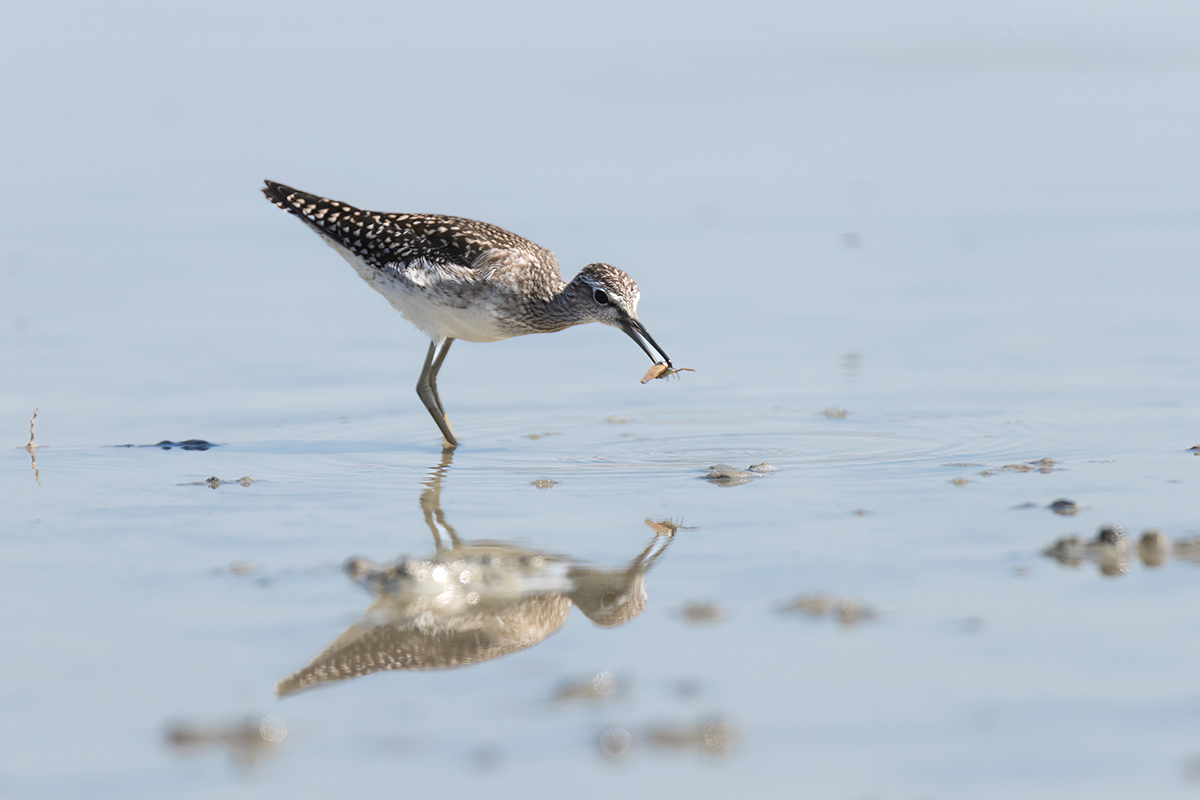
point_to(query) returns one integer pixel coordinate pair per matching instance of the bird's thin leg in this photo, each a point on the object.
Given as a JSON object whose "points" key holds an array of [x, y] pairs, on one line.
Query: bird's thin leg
{"points": [[433, 372], [428, 394]]}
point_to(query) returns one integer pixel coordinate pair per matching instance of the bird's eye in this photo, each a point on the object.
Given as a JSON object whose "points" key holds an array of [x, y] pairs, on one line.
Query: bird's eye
{"points": [[600, 296]]}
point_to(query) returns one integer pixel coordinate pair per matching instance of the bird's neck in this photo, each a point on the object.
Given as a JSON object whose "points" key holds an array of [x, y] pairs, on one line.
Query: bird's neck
{"points": [[556, 312]]}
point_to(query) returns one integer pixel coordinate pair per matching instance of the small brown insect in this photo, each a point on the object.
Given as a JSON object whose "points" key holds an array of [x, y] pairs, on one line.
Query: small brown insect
{"points": [[663, 371]]}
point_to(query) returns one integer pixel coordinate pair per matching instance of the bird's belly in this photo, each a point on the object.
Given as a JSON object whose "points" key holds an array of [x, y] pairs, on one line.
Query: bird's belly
{"points": [[440, 320], [443, 303]]}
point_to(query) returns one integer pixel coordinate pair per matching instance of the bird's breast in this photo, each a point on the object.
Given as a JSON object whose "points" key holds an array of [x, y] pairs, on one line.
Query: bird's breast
{"points": [[442, 300]]}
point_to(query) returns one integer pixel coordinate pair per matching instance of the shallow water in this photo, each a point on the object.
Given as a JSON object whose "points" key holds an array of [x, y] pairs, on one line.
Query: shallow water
{"points": [[908, 258]]}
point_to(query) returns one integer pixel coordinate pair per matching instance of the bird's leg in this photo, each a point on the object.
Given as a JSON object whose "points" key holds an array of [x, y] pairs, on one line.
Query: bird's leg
{"points": [[427, 391], [433, 372]]}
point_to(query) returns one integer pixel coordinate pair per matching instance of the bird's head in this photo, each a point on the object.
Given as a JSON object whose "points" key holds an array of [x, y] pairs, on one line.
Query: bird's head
{"points": [[608, 295]]}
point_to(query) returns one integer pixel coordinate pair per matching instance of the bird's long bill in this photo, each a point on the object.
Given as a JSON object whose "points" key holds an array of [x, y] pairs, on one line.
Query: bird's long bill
{"points": [[639, 335]]}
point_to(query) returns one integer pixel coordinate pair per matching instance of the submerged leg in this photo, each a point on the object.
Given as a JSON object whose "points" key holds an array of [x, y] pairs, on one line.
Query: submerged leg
{"points": [[427, 391]]}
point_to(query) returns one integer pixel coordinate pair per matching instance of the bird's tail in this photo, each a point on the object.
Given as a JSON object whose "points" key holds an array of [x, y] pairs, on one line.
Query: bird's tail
{"points": [[327, 217]]}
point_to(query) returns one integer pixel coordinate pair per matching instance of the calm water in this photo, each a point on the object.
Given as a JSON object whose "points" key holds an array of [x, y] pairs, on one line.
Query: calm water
{"points": [[974, 235]]}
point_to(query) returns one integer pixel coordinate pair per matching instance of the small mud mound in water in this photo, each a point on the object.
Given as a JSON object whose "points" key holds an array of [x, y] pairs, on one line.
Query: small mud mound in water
{"points": [[186, 444]]}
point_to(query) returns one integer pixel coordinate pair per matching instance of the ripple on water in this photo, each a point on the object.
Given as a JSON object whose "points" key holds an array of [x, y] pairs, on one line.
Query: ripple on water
{"points": [[805, 442], [582, 442]]}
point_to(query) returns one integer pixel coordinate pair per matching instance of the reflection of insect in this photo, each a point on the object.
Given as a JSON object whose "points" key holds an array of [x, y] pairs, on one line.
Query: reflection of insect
{"points": [[663, 371], [666, 527]]}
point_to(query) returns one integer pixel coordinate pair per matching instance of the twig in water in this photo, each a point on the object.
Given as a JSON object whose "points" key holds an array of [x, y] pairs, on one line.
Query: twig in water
{"points": [[31, 448]]}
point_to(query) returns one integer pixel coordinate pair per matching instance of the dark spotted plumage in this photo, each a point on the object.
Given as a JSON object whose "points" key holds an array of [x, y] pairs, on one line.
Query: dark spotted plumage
{"points": [[457, 278], [383, 239]]}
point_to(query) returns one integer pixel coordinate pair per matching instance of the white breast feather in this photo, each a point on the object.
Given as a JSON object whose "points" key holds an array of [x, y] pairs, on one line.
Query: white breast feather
{"points": [[431, 296]]}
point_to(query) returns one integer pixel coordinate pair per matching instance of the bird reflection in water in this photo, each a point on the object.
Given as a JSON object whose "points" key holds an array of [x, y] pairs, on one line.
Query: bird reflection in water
{"points": [[471, 602]]}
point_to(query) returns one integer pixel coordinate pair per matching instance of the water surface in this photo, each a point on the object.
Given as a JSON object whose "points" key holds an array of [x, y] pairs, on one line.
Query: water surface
{"points": [[909, 256]]}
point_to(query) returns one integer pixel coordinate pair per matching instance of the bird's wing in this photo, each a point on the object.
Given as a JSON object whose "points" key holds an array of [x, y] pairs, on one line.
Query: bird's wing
{"points": [[385, 240]]}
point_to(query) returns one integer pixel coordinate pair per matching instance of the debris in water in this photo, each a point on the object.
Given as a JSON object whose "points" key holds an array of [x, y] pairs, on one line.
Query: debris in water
{"points": [[1066, 508], [248, 742], [1110, 550], [1042, 465], [601, 686], [712, 738], [727, 475], [615, 742], [1153, 548], [166, 444], [702, 612], [215, 482], [846, 611]]}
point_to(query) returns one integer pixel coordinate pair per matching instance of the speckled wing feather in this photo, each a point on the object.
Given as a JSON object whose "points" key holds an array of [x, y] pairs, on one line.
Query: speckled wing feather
{"points": [[384, 240], [400, 646]]}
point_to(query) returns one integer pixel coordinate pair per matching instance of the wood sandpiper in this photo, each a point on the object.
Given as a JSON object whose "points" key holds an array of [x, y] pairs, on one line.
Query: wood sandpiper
{"points": [[456, 278]]}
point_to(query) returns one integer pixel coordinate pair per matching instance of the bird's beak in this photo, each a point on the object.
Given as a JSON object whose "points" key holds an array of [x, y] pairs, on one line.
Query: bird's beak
{"points": [[636, 332]]}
